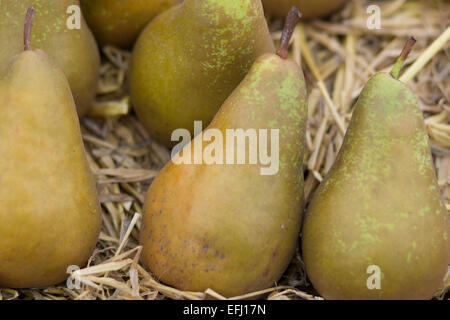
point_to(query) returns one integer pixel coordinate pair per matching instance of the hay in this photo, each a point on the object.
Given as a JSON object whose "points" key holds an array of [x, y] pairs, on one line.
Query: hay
{"points": [[339, 56]]}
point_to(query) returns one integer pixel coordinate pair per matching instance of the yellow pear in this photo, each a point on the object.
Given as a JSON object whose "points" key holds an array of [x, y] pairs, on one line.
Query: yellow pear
{"points": [[49, 210]]}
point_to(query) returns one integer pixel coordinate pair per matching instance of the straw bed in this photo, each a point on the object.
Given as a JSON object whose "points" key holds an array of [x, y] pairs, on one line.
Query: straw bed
{"points": [[339, 55]]}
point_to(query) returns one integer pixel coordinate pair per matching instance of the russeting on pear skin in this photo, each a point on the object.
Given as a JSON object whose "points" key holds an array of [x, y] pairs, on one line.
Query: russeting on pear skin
{"points": [[226, 226], [190, 58], [376, 228], [49, 210], [119, 22], [310, 8], [74, 50]]}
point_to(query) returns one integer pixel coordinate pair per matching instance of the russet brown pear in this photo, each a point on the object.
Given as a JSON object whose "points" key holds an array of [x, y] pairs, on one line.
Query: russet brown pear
{"points": [[229, 227]]}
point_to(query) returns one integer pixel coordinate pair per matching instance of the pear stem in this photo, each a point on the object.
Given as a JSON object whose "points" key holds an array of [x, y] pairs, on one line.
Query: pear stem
{"points": [[292, 19], [27, 29], [402, 58]]}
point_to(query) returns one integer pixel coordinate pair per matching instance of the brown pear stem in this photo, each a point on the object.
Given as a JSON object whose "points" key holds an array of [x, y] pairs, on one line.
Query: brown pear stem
{"points": [[292, 19], [402, 58], [27, 29]]}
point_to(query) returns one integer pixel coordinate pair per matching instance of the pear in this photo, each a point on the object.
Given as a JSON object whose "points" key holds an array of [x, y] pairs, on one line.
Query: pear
{"points": [[231, 227], [74, 50], [190, 58], [310, 9], [118, 22], [376, 228], [49, 210]]}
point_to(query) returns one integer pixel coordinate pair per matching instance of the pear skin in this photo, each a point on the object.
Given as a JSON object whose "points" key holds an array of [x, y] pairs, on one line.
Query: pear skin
{"points": [[75, 51], [118, 22], [189, 60], [310, 8], [379, 205], [49, 210]]}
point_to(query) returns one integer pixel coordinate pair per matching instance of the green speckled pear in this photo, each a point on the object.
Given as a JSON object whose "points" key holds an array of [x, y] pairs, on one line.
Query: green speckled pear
{"points": [[190, 58], [75, 50], [379, 205], [226, 226]]}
